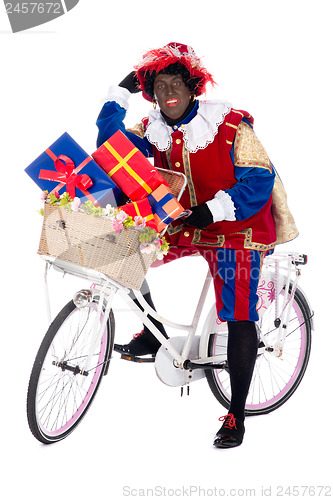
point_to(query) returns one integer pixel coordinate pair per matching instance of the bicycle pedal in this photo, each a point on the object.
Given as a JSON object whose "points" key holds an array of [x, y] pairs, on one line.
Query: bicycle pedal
{"points": [[137, 359]]}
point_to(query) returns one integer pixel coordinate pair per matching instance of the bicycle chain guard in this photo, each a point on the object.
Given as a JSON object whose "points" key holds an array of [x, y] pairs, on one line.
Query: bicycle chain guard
{"points": [[168, 373]]}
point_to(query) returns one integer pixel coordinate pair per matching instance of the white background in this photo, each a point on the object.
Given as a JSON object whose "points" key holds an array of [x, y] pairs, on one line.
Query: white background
{"points": [[270, 58]]}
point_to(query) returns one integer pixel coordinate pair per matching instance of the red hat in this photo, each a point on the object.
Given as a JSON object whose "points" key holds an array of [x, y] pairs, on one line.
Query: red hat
{"points": [[159, 59]]}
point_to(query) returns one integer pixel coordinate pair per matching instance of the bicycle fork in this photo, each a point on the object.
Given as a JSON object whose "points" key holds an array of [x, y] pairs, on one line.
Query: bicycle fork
{"points": [[99, 326]]}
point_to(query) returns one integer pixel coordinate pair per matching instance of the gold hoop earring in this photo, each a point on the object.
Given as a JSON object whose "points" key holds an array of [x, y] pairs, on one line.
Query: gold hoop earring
{"points": [[154, 104], [192, 98]]}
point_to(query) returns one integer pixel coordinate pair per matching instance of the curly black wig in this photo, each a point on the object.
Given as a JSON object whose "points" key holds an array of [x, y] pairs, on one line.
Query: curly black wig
{"points": [[173, 69]]}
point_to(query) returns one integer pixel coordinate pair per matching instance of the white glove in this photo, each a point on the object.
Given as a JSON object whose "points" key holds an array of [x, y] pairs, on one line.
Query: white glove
{"points": [[222, 207]]}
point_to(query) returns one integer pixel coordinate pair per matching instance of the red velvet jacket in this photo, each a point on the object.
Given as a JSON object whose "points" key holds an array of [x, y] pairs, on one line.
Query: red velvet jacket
{"points": [[208, 170], [224, 155]]}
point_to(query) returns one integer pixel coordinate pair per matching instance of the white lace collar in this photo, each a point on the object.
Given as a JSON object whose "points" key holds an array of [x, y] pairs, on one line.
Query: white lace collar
{"points": [[198, 133]]}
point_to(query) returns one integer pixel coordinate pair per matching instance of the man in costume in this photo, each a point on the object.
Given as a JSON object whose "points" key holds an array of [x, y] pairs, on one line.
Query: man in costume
{"points": [[233, 193]]}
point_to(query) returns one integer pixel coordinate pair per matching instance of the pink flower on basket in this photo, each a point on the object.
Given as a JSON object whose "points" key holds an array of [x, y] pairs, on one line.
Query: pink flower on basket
{"points": [[121, 216], [56, 194], [139, 221], [43, 195], [75, 204], [147, 248], [117, 226]]}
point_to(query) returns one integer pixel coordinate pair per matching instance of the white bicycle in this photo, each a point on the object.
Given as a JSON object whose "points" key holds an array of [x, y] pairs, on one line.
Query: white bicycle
{"points": [[77, 349]]}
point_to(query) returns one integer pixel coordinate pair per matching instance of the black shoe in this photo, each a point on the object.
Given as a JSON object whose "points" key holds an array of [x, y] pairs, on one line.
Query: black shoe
{"points": [[142, 343], [231, 433]]}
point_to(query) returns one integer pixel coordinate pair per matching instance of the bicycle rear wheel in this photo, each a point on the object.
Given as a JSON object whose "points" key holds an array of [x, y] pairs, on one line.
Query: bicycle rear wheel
{"points": [[61, 387], [275, 378]]}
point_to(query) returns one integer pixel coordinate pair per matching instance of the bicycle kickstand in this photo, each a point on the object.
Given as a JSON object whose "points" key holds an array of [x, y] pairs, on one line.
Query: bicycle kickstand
{"points": [[187, 390]]}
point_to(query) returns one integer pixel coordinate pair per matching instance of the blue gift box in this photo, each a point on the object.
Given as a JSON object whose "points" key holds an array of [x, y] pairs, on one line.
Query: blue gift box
{"points": [[65, 166], [166, 208]]}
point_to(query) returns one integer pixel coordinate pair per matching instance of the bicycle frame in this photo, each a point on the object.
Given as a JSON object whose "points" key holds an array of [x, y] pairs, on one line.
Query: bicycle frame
{"points": [[106, 289]]}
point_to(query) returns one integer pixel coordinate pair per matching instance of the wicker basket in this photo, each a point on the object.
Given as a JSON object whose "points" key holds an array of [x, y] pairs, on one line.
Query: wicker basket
{"points": [[91, 242], [176, 180]]}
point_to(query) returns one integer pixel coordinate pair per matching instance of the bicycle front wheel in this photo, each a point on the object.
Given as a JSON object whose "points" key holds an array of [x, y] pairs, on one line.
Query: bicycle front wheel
{"points": [[67, 371], [275, 377]]}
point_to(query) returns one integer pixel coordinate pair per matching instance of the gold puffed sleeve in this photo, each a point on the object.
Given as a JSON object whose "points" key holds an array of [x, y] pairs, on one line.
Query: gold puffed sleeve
{"points": [[138, 130], [248, 151]]}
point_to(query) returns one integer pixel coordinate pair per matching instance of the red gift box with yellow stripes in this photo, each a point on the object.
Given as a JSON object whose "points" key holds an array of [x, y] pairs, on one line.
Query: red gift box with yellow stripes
{"points": [[165, 206], [140, 208], [128, 167]]}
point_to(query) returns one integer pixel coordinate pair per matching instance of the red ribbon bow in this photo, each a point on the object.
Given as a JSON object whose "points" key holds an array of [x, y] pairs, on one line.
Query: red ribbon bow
{"points": [[66, 175]]}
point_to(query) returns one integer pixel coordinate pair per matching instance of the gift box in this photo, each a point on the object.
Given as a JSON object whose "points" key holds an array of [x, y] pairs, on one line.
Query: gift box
{"points": [[141, 208], [165, 206], [65, 166], [128, 167]]}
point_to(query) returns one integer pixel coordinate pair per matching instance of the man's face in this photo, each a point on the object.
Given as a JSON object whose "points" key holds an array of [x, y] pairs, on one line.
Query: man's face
{"points": [[172, 95]]}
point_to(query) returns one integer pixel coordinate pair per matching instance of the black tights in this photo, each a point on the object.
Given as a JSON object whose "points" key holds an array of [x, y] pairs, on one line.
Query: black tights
{"points": [[242, 353]]}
